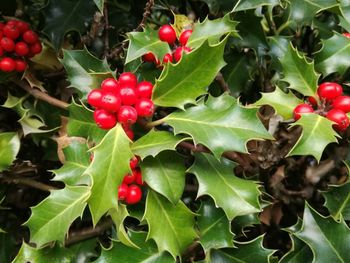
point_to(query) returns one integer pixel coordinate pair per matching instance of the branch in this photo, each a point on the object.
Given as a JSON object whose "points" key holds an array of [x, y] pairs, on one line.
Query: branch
{"points": [[220, 79], [29, 182], [106, 35], [41, 95]]}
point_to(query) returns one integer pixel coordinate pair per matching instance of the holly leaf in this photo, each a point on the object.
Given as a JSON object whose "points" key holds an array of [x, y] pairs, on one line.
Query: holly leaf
{"points": [[316, 135], [253, 4], [299, 73], [77, 159], [334, 56], [9, 148], [338, 201], [328, 240], [278, 48], [155, 142], [214, 227], [181, 23], [299, 252], [85, 71], [141, 43], [107, 170], [62, 16], [212, 30], [182, 83], [147, 251], [283, 103], [177, 221], [234, 195], [165, 174], [51, 219], [222, 115]]}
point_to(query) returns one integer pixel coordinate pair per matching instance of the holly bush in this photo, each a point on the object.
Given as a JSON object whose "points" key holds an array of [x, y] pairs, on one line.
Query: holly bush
{"points": [[238, 149]]}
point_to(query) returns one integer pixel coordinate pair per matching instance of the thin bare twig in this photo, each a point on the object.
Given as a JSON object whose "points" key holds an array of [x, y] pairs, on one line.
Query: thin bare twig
{"points": [[221, 81], [29, 182], [106, 35]]}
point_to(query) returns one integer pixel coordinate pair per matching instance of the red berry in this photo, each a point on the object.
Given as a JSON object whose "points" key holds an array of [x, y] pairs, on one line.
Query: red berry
{"points": [[1, 26], [340, 118], [12, 22], [110, 84], [7, 64], [346, 35], [7, 44], [104, 119], [110, 102], [22, 26], [30, 37], [144, 89], [127, 115], [329, 90], [178, 52], [342, 103], [134, 195], [94, 98], [128, 130], [300, 109], [149, 57], [134, 162], [21, 48], [127, 79], [312, 101], [123, 190], [128, 95], [21, 65], [184, 37], [36, 48], [168, 58], [167, 33], [138, 176], [144, 107], [129, 178], [11, 31]]}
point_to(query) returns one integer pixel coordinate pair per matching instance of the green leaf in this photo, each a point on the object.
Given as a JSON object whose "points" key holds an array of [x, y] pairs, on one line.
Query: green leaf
{"points": [[165, 174], [334, 56], [81, 123], [155, 142], [211, 30], [338, 201], [328, 240], [50, 219], [222, 115], [234, 195], [300, 252], [214, 227], [283, 103], [147, 252], [107, 169], [176, 221], [62, 16], [278, 48], [77, 159], [9, 247], [299, 73], [9, 147], [100, 4], [141, 43], [247, 252], [316, 135], [182, 83], [85, 72], [253, 4]]}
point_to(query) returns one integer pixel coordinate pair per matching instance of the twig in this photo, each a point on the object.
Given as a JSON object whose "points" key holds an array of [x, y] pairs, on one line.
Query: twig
{"points": [[106, 35], [220, 79], [41, 95], [29, 182]]}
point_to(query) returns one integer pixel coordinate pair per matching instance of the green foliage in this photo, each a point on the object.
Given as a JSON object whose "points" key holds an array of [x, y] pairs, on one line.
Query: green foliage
{"points": [[9, 147], [338, 201]]}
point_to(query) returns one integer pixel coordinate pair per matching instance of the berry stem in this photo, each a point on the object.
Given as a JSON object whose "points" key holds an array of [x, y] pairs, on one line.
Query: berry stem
{"points": [[155, 123]]}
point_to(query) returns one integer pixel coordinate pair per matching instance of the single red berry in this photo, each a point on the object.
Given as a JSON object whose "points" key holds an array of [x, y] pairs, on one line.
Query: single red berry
{"points": [[21, 65], [94, 98], [12, 22], [36, 48], [7, 64], [184, 37], [127, 115], [144, 107], [128, 95], [144, 89], [300, 109], [340, 118], [149, 57], [21, 48], [7, 44], [342, 103], [123, 190], [129, 178], [134, 195], [1, 26], [168, 58], [134, 162], [30, 37], [110, 84], [178, 52], [346, 35], [312, 101], [138, 176], [167, 33], [127, 79], [11, 31], [329, 90], [110, 102], [22, 26], [128, 130], [104, 119]]}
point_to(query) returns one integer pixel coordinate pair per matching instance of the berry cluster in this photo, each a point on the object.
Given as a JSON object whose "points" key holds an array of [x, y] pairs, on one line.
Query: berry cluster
{"points": [[128, 191], [332, 104], [123, 101], [17, 41], [167, 34]]}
